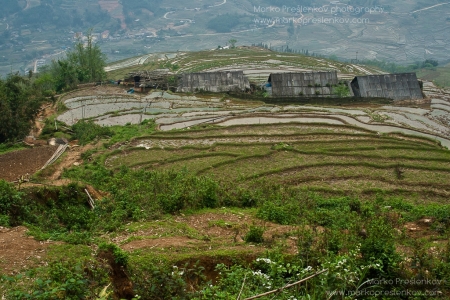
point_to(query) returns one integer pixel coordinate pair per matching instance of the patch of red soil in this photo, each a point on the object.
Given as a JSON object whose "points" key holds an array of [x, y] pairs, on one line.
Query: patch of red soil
{"points": [[19, 163], [18, 251]]}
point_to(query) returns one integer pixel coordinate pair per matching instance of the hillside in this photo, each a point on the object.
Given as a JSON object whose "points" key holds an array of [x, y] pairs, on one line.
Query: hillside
{"points": [[164, 195], [401, 32]]}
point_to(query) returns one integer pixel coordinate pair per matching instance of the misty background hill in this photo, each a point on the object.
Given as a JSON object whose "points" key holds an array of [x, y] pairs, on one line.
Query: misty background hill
{"points": [[33, 32]]}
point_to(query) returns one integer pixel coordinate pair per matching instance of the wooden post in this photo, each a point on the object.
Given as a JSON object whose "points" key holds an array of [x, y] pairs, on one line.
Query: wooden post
{"points": [[90, 201]]}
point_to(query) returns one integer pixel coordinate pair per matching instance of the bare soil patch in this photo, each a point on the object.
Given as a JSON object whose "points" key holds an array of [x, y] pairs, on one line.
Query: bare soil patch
{"points": [[19, 251], [18, 163]]}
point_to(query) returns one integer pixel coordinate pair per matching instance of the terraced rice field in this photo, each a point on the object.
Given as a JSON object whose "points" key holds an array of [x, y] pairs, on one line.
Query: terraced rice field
{"points": [[330, 159]]}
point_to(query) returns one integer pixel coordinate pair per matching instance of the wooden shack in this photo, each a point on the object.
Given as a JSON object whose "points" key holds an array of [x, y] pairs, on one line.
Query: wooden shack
{"points": [[308, 84], [226, 81], [402, 86], [157, 79]]}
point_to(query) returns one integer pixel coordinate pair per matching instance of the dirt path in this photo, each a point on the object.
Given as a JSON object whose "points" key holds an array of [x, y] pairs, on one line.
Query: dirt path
{"points": [[70, 158], [46, 111]]}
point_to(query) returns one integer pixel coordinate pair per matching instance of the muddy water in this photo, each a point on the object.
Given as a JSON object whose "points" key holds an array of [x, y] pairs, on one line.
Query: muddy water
{"points": [[122, 120], [400, 119], [272, 120], [187, 124], [441, 107], [428, 122], [354, 112], [345, 119], [439, 101], [391, 129], [417, 111]]}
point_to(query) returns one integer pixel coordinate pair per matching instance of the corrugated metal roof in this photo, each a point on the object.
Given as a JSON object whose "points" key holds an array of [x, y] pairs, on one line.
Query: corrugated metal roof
{"points": [[214, 82], [392, 86], [303, 84]]}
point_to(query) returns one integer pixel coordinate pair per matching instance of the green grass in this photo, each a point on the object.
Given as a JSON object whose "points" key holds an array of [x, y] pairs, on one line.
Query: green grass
{"points": [[319, 156], [157, 229], [289, 179], [439, 75], [5, 148]]}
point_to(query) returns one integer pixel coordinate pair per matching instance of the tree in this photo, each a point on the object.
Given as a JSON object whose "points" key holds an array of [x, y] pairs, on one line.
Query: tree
{"points": [[342, 90], [430, 62], [89, 60], [232, 43], [20, 101], [85, 63]]}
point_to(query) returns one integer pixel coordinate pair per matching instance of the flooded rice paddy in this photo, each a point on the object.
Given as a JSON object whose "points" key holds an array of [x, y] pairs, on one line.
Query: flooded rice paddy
{"points": [[174, 111]]}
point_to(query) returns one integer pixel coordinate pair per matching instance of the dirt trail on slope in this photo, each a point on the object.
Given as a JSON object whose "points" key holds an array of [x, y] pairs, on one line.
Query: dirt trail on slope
{"points": [[46, 111], [70, 158]]}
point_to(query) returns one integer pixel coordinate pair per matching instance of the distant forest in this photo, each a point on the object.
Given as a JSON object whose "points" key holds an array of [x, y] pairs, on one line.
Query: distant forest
{"points": [[142, 10], [9, 7], [57, 15]]}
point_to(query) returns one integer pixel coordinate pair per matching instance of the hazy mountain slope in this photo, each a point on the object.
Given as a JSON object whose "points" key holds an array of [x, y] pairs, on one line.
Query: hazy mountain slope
{"points": [[400, 31]]}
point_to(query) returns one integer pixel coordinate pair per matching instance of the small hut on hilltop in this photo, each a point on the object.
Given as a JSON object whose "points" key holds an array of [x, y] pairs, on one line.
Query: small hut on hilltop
{"points": [[159, 78], [225, 81], [402, 86], [308, 84]]}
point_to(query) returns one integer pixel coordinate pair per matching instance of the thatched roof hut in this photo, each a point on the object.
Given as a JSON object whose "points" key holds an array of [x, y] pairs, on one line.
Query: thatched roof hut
{"points": [[309, 84], [392, 86], [226, 81]]}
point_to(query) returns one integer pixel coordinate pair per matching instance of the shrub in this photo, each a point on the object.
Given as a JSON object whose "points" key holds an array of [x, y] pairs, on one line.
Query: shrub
{"points": [[10, 204], [275, 213], [120, 256], [87, 131], [380, 245], [342, 90], [63, 282], [255, 235]]}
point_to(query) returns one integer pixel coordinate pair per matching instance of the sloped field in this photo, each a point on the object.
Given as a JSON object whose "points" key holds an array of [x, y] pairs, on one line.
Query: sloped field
{"points": [[333, 159]]}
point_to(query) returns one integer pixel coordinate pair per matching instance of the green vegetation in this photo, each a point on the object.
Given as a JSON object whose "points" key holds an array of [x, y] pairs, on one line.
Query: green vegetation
{"points": [[72, 273], [9, 8], [279, 197], [229, 213], [428, 70], [342, 90], [85, 63], [226, 22], [439, 75], [5, 148], [354, 240], [87, 131], [254, 235], [20, 100]]}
